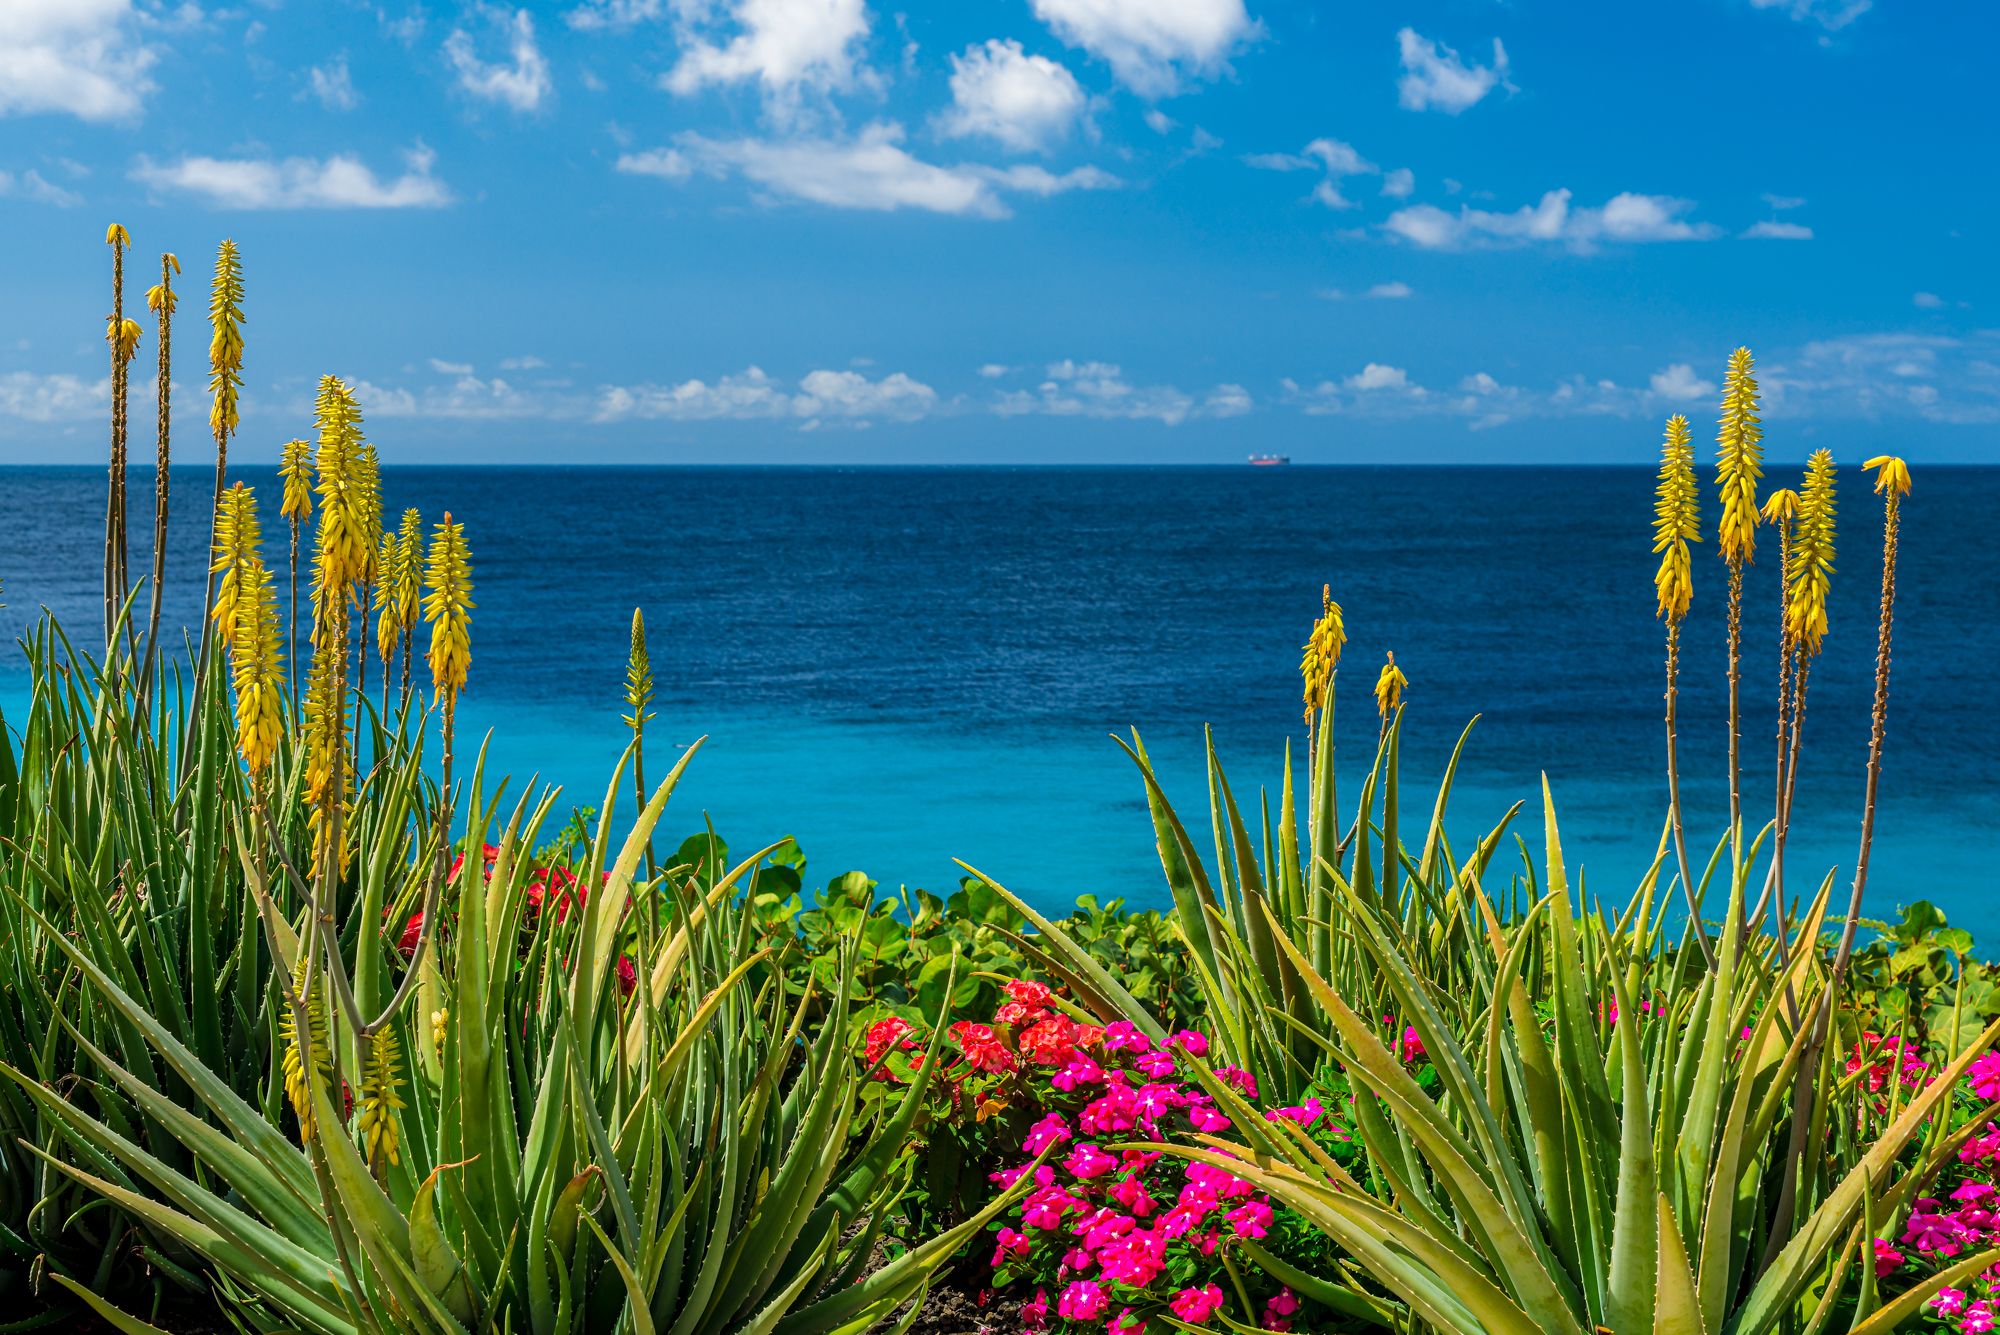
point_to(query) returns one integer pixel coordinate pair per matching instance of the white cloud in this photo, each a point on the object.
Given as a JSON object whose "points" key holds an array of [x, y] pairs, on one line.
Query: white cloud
{"points": [[1926, 301], [1831, 15], [342, 181], [443, 367], [597, 14], [1434, 77], [521, 82], [1022, 102], [842, 395], [1626, 217], [1392, 291], [332, 86], [994, 371], [1783, 202], [33, 186], [1152, 46], [1159, 122], [77, 57], [1772, 230], [29, 397], [1400, 183], [1332, 158], [1679, 384], [1099, 390], [466, 397], [788, 47], [528, 363], [871, 171], [1376, 376]]}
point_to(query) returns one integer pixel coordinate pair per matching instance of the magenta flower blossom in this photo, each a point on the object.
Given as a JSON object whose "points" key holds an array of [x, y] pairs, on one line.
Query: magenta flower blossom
{"points": [[1238, 1079], [1947, 1302], [1206, 1119], [1984, 1076], [1155, 1065], [1126, 1323], [1887, 1259], [1117, 1109], [1035, 1313], [1087, 1161], [1191, 1041], [1283, 1303], [1051, 1130], [1081, 1071], [1124, 1036], [1250, 1221], [1978, 1319], [1082, 1301], [1940, 1233], [1195, 1306], [1304, 1114], [1009, 1244], [1131, 1193]]}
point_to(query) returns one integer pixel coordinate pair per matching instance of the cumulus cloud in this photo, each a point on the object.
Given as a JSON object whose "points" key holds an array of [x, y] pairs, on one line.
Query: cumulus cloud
{"points": [[1926, 301], [788, 48], [1399, 184], [1435, 78], [521, 81], [1626, 217], [1773, 230], [1071, 388], [342, 181], [847, 396], [1154, 47], [29, 397], [1021, 102], [81, 58], [1679, 384], [870, 171]]}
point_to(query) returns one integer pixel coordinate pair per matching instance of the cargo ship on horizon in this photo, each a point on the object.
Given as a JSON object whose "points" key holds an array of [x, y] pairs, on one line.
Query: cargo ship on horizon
{"points": [[1269, 460]]}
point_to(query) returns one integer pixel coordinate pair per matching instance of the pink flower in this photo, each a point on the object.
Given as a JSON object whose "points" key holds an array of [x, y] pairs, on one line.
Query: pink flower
{"points": [[1412, 1046], [628, 976], [1082, 1301], [1035, 1313], [1191, 1041], [1206, 1118], [1195, 1306], [1283, 1303], [1087, 1161], [1242, 1081], [1304, 1114], [1080, 1071], [1252, 1220], [1155, 1065], [1051, 1130], [1978, 1319], [1947, 1302], [1887, 1258], [1116, 1110], [1940, 1233], [1045, 1209], [1130, 1192], [1010, 1244], [1125, 1323], [1124, 1036], [1136, 1258], [1984, 1076]]}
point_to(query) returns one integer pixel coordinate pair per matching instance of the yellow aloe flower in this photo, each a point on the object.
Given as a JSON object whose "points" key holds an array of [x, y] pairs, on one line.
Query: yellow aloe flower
{"points": [[1811, 570], [1781, 506], [638, 675], [381, 1100], [1739, 459], [299, 1083], [225, 347], [237, 541], [1389, 688], [1322, 651], [1894, 477], [257, 666], [448, 608], [295, 467], [1676, 520]]}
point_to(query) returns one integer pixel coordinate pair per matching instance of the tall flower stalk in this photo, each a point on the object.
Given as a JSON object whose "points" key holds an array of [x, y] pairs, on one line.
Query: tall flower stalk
{"points": [[1319, 661], [1781, 511], [639, 694], [225, 379], [1739, 460], [1676, 523], [295, 466], [161, 300], [409, 586], [123, 337], [1808, 577]]}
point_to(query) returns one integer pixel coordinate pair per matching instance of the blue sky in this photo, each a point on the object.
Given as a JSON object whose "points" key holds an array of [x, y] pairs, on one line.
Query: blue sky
{"points": [[1025, 230]]}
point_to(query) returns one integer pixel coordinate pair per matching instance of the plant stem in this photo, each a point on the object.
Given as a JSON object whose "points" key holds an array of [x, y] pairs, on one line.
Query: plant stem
{"points": [[1735, 713], [162, 464], [1674, 789]]}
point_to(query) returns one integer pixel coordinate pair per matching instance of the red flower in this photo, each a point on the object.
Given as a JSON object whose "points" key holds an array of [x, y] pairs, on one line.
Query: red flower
{"points": [[1018, 1013], [983, 1049], [628, 976], [413, 931], [1028, 993], [1051, 1042]]}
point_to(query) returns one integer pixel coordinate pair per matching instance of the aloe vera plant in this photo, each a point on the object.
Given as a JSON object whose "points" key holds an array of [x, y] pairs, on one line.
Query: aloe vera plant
{"points": [[684, 1160]]}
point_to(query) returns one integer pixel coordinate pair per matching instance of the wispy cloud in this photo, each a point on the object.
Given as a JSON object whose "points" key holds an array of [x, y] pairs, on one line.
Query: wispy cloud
{"points": [[1435, 78], [342, 181], [33, 186], [30, 397], [1831, 15], [1626, 217], [332, 86], [521, 81], [1774, 230], [1335, 160], [870, 171], [1154, 47], [818, 397], [1099, 389]]}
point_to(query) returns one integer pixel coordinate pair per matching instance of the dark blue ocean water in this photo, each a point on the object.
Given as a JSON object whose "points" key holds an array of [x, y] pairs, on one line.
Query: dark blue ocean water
{"points": [[903, 666]]}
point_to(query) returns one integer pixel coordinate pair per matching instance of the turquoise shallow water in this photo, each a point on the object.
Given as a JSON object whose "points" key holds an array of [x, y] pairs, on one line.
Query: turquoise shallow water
{"points": [[903, 666]]}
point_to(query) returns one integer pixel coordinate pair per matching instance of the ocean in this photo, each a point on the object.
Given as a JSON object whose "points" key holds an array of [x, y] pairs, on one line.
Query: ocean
{"points": [[903, 666]]}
